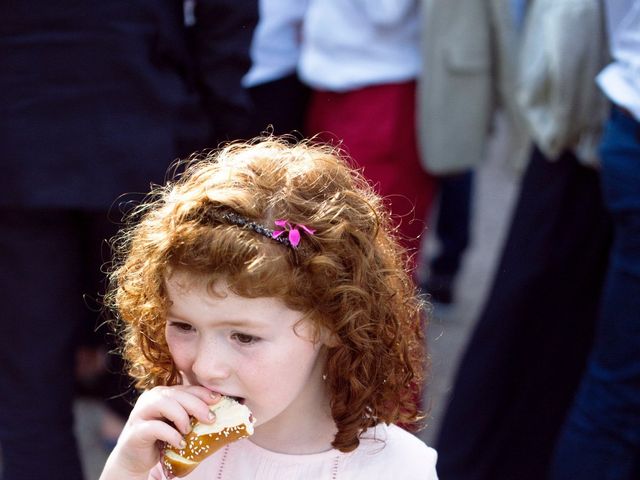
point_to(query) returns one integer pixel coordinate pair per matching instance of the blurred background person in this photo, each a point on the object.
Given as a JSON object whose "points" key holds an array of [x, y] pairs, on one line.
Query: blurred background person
{"points": [[96, 99], [601, 437], [279, 97], [465, 80], [361, 59], [524, 359]]}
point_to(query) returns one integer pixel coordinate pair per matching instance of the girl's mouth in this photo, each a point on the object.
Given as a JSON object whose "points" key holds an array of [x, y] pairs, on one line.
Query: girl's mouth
{"points": [[240, 400], [237, 399]]}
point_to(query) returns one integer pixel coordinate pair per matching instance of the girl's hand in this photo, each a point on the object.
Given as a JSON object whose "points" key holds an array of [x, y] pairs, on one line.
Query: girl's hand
{"points": [[160, 415]]}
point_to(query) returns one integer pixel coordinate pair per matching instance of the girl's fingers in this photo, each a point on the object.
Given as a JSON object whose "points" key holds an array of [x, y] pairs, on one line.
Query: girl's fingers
{"points": [[195, 403], [154, 430], [204, 394], [170, 409], [177, 404]]}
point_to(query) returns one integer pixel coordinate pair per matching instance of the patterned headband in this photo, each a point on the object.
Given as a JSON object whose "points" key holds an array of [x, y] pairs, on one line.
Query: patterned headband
{"points": [[292, 240]]}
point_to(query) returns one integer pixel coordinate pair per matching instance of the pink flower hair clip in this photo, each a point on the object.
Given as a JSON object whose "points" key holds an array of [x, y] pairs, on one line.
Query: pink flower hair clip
{"points": [[294, 231]]}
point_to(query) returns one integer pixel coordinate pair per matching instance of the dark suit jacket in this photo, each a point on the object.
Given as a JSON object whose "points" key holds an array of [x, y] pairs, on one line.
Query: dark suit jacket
{"points": [[97, 97]]}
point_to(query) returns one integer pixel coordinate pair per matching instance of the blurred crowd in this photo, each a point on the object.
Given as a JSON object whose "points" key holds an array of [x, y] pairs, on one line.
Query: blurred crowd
{"points": [[99, 98]]}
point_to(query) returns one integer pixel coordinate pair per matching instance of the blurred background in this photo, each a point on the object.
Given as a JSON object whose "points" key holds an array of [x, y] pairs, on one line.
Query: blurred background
{"points": [[504, 135]]}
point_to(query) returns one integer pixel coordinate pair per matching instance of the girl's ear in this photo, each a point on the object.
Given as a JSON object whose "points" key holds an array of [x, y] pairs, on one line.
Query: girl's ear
{"points": [[328, 339], [320, 334]]}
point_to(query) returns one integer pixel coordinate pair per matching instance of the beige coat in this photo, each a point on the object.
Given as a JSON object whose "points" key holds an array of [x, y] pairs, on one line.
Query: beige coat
{"points": [[475, 62], [563, 50], [470, 52]]}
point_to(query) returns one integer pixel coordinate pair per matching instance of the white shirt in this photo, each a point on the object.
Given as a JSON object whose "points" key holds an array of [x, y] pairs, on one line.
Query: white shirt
{"points": [[349, 44], [620, 80], [385, 452], [275, 47]]}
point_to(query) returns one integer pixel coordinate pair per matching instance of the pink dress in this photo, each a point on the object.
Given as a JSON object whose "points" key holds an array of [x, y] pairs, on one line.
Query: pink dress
{"points": [[385, 452]]}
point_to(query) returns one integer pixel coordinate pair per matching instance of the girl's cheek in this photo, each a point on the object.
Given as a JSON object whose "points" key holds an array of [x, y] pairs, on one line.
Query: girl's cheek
{"points": [[179, 350]]}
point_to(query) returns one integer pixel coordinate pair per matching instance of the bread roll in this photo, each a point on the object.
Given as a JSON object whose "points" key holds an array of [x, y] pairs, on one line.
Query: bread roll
{"points": [[233, 422]]}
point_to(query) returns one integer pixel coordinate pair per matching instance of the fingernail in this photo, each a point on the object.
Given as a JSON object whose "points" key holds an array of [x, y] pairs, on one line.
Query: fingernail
{"points": [[214, 395], [212, 416], [183, 444]]}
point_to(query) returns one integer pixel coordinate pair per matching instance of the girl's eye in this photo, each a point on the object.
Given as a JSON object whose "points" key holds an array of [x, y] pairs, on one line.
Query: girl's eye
{"points": [[183, 327], [244, 339]]}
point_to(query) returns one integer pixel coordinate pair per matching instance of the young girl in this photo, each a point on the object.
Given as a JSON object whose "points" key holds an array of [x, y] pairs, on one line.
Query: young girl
{"points": [[269, 273]]}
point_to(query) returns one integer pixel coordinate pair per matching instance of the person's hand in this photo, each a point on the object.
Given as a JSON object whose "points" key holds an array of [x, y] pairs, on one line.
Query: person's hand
{"points": [[160, 415]]}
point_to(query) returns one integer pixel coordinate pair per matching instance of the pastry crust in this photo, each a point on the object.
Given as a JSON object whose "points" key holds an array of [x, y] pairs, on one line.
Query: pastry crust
{"points": [[233, 422]]}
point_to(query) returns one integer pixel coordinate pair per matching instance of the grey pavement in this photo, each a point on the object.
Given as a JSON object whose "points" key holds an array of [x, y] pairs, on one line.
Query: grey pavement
{"points": [[449, 328]]}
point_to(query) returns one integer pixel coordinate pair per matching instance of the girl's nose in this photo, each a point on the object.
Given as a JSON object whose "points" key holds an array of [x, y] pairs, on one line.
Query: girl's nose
{"points": [[209, 364]]}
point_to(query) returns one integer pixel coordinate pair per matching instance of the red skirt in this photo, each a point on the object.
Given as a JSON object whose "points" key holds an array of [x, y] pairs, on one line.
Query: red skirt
{"points": [[377, 128]]}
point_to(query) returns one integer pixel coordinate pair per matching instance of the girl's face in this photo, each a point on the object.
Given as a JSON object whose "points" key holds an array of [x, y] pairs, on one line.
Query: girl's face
{"points": [[247, 348]]}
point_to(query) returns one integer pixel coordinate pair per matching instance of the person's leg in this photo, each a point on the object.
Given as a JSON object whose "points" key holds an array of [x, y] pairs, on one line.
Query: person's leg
{"points": [[601, 437], [93, 229], [116, 387], [452, 230], [40, 298], [526, 354], [118, 392]]}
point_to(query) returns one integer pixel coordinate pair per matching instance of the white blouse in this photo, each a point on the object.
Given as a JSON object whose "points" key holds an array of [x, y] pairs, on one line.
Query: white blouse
{"points": [[620, 80], [350, 44]]}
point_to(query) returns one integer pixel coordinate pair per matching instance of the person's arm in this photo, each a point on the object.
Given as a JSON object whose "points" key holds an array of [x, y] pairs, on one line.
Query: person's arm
{"points": [[161, 414]]}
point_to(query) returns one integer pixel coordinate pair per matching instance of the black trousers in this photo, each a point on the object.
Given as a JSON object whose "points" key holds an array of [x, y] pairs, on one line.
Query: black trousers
{"points": [[50, 281], [454, 219], [522, 366]]}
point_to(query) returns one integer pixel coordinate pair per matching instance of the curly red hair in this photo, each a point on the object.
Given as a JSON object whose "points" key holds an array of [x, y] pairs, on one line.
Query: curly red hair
{"points": [[350, 278]]}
